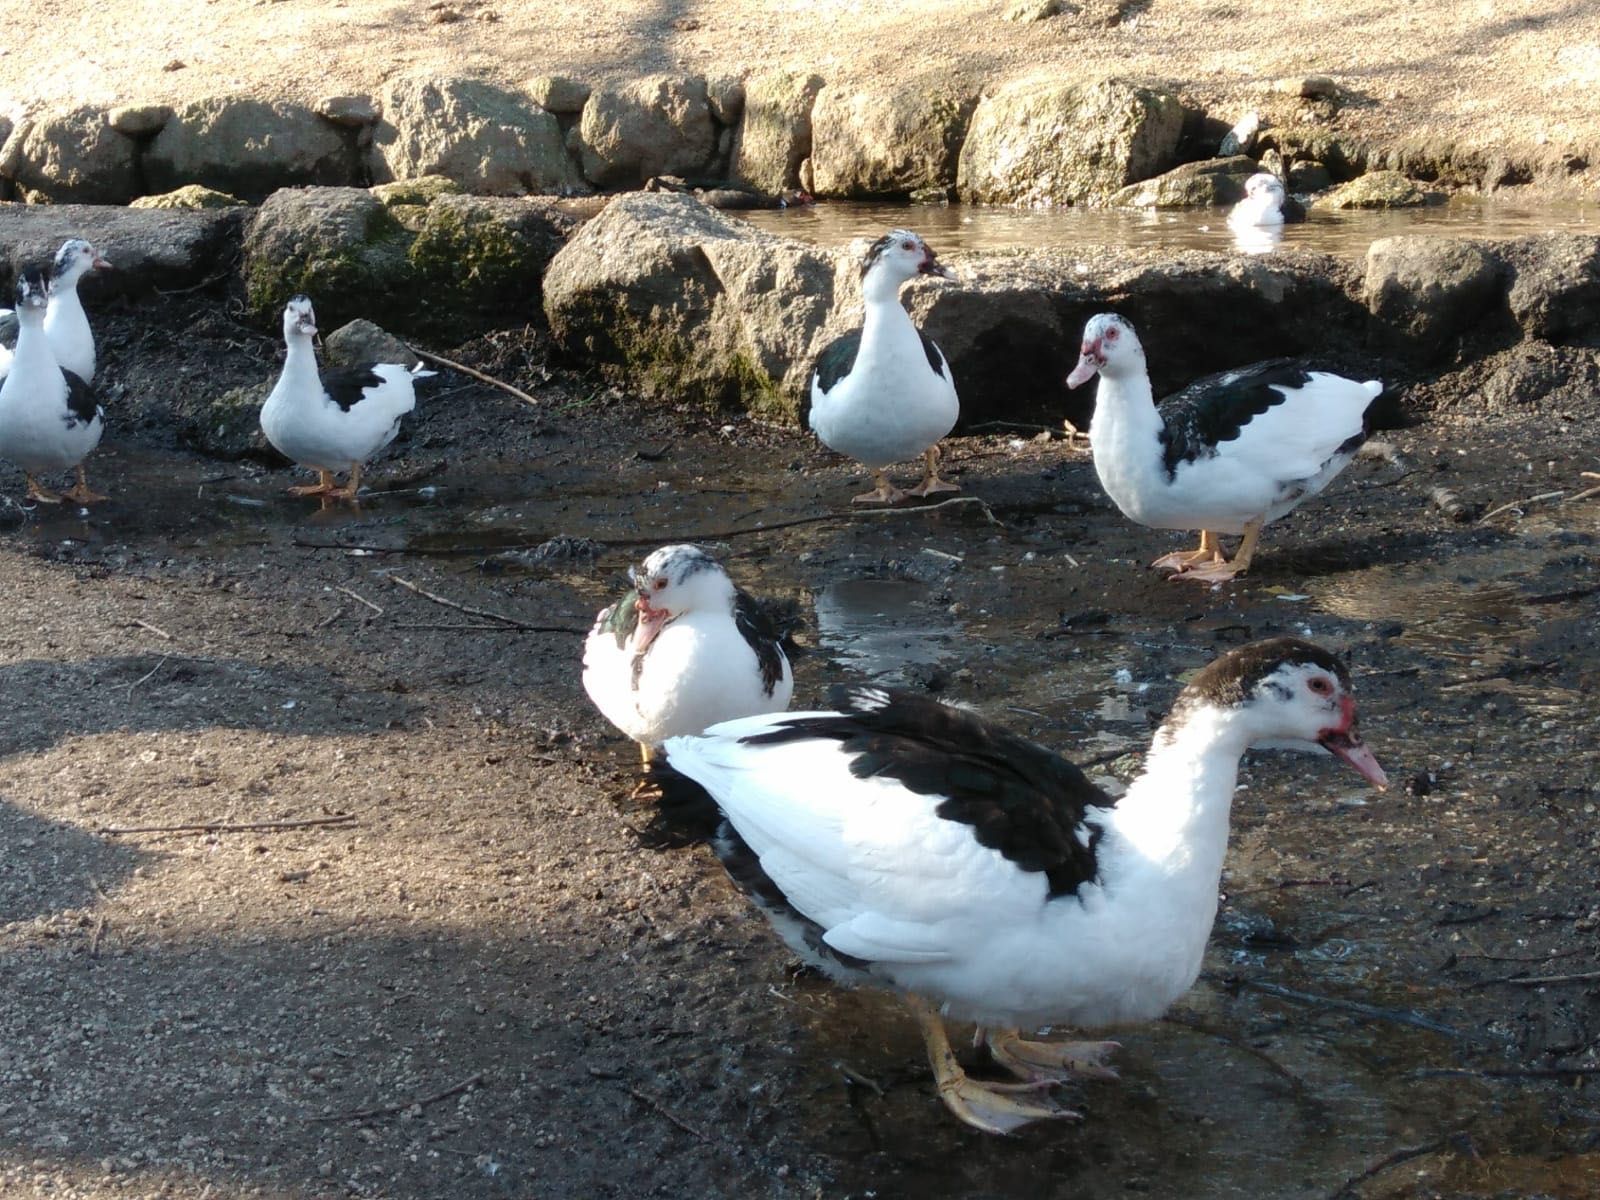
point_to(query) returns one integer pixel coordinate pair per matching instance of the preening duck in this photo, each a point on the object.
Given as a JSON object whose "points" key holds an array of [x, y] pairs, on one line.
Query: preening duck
{"points": [[1266, 202], [1227, 454], [685, 649], [333, 420], [49, 421], [883, 394], [65, 322], [902, 843]]}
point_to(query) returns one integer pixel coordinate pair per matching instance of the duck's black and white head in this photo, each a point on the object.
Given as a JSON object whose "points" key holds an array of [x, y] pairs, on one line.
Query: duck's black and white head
{"points": [[1282, 691], [299, 318], [74, 260], [1265, 188], [900, 255], [675, 580], [1110, 348], [32, 294]]}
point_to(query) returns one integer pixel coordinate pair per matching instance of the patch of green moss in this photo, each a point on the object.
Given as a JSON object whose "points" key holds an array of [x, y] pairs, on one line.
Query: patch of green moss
{"points": [[361, 278], [191, 196], [424, 189], [479, 258]]}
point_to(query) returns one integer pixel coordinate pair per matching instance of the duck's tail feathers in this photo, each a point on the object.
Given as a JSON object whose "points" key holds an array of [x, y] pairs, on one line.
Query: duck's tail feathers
{"points": [[682, 814]]}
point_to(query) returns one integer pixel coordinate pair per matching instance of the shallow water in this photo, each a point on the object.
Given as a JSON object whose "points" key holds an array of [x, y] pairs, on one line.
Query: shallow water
{"points": [[958, 227]]}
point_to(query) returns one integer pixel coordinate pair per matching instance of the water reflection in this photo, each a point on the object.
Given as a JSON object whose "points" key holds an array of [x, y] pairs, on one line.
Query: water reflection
{"points": [[881, 627]]}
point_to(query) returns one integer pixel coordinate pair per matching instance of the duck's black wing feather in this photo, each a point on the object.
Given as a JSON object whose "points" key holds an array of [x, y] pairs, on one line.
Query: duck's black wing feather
{"points": [[768, 626], [346, 386], [81, 404], [1216, 408], [1027, 802]]}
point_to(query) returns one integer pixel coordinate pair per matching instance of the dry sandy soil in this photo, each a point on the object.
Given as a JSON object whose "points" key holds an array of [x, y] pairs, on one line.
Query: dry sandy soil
{"points": [[1486, 73], [475, 982]]}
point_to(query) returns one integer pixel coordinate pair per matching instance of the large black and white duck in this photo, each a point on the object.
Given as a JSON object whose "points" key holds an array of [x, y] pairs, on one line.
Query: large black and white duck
{"points": [[1227, 454], [906, 844], [333, 420], [65, 322], [685, 649], [49, 421], [883, 394]]}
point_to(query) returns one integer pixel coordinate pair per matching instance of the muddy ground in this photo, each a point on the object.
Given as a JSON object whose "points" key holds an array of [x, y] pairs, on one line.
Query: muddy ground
{"points": [[481, 985]]}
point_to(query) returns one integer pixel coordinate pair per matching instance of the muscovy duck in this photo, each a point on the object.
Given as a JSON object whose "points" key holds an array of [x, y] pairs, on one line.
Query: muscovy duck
{"points": [[65, 322]]}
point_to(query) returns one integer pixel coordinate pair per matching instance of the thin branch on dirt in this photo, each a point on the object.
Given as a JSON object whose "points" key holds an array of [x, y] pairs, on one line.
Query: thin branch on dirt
{"points": [[1538, 980], [342, 819], [360, 599], [646, 1098], [1503, 1072], [389, 1110], [1519, 505], [460, 628], [478, 375], [94, 938], [155, 629], [1508, 674], [1022, 426], [1577, 593], [1396, 1016], [193, 287], [148, 675], [1526, 958], [1403, 1155], [856, 1077], [329, 619], [488, 615], [1583, 495]]}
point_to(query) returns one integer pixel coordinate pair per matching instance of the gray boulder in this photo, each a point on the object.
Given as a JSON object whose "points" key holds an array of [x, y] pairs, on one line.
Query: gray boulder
{"points": [[485, 138], [477, 255], [73, 157], [167, 248], [339, 246], [1216, 181], [1533, 375], [1555, 287], [1379, 189], [247, 147], [659, 125], [139, 120], [775, 136], [361, 342], [1053, 143], [1426, 292], [683, 303], [875, 142], [558, 94]]}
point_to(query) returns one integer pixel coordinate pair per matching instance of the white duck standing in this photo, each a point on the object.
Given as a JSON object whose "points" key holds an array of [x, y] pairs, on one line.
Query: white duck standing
{"points": [[1227, 454], [883, 394], [65, 322], [684, 650], [333, 420], [49, 421], [907, 844]]}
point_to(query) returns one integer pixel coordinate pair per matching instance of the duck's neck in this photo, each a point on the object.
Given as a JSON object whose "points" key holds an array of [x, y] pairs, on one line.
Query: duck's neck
{"points": [[1174, 817], [1125, 437], [300, 366], [33, 352], [885, 317], [67, 327]]}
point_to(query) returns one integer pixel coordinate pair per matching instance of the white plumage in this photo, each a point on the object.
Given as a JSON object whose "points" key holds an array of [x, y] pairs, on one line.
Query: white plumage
{"points": [[884, 393], [1014, 894], [65, 322], [1228, 454], [685, 650], [49, 421], [334, 420]]}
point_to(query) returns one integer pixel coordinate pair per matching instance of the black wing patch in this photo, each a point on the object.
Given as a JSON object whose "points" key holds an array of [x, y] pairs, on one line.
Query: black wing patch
{"points": [[762, 625], [346, 386], [836, 361], [935, 358], [1027, 802], [81, 405], [1217, 408]]}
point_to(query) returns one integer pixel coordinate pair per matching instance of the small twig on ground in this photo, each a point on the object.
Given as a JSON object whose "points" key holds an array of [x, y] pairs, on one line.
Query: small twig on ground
{"points": [[1539, 980], [1397, 1016], [155, 629], [389, 1110], [148, 675], [94, 938], [193, 287], [1527, 958], [359, 599], [329, 619], [1508, 674], [856, 1077], [1518, 505], [486, 614], [646, 1098], [486, 628], [1503, 1072], [1403, 1155], [478, 375], [226, 827], [1583, 495]]}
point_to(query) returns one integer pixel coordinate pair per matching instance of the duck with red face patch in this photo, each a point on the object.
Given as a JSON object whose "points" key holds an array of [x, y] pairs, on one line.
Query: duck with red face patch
{"points": [[1227, 454], [883, 394], [684, 650], [904, 844]]}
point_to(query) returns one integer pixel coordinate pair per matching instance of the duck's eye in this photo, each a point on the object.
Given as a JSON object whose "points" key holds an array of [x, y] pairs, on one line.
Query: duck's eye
{"points": [[908, 245], [659, 584], [1111, 334], [1321, 686]]}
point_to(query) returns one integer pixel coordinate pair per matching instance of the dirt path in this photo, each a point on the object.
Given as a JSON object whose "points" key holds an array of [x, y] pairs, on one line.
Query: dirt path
{"points": [[524, 1002], [1509, 75]]}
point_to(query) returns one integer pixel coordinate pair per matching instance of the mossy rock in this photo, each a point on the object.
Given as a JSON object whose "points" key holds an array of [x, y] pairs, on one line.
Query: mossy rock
{"points": [[339, 246], [192, 197], [475, 254], [225, 426], [1379, 189], [424, 189]]}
